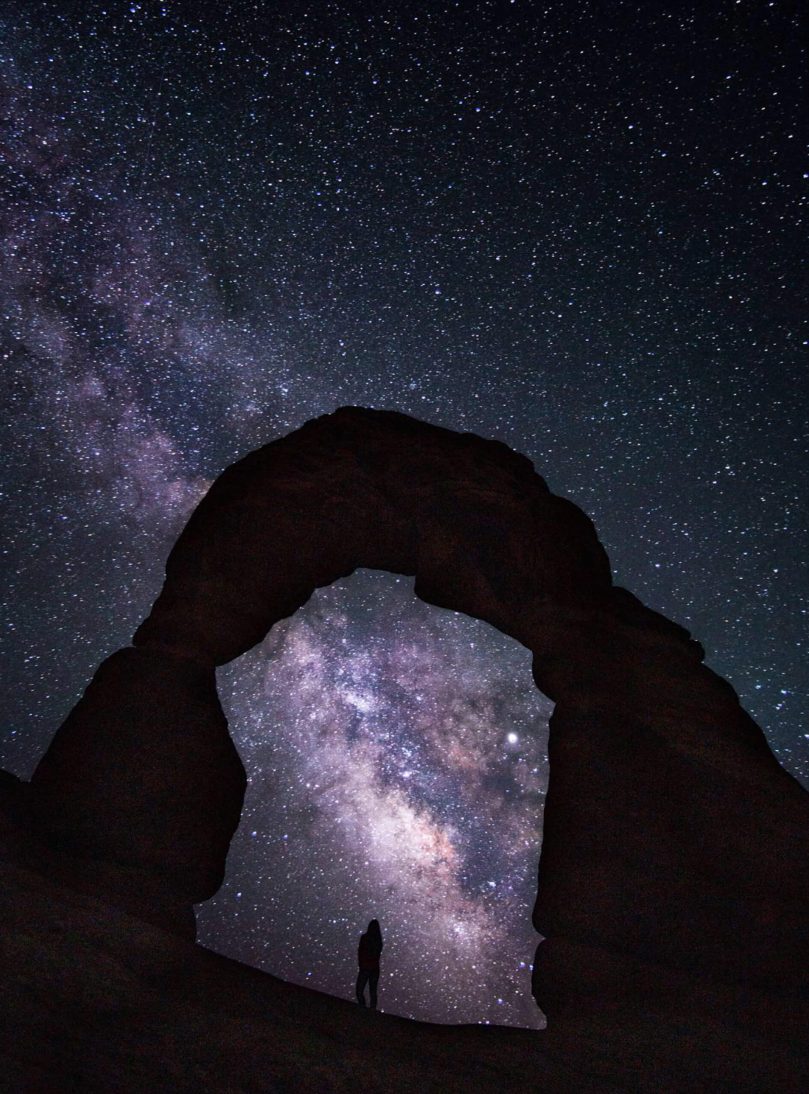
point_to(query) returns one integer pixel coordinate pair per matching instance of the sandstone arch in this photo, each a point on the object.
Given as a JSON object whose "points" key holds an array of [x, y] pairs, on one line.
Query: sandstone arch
{"points": [[673, 875]]}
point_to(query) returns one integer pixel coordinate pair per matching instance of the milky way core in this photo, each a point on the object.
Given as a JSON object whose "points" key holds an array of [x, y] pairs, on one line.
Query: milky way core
{"points": [[397, 768]]}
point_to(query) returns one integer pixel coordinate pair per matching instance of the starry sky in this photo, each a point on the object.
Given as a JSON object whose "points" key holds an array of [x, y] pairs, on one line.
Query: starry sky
{"points": [[577, 227]]}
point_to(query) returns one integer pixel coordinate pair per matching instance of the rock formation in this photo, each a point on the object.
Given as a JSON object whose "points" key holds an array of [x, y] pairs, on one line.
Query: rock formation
{"points": [[674, 874]]}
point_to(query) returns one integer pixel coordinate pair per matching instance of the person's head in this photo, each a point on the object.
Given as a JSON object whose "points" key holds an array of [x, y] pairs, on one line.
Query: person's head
{"points": [[373, 929]]}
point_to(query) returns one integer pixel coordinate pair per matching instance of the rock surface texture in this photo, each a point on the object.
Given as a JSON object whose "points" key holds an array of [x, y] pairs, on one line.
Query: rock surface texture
{"points": [[674, 876]]}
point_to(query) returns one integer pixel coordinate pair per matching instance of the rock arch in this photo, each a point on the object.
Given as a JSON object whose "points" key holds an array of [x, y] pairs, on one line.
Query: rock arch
{"points": [[673, 875]]}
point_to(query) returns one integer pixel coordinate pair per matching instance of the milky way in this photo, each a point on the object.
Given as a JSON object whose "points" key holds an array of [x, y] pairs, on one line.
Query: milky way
{"points": [[398, 767], [579, 230]]}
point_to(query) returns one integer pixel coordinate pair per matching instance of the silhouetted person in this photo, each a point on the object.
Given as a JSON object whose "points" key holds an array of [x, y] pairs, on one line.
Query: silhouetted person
{"points": [[370, 948]]}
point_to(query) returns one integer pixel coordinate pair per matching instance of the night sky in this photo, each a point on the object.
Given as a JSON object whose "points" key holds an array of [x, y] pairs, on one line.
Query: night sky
{"points": [[576, 227]]}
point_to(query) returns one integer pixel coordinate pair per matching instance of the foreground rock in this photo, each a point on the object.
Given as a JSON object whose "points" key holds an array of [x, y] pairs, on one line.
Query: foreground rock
{"points": [[93, 999]]}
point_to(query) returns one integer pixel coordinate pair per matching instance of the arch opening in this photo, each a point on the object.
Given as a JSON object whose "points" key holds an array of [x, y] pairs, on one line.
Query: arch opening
{"points": [[396, 756]]}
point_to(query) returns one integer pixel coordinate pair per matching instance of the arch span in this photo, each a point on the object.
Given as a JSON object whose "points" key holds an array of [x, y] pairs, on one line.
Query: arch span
{"points": [[674, 860]]}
